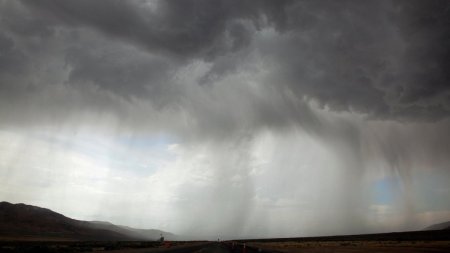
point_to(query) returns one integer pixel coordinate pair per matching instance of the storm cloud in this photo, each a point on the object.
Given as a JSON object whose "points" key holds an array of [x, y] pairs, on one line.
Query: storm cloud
{"points": [[346, 93], [386, 59]]}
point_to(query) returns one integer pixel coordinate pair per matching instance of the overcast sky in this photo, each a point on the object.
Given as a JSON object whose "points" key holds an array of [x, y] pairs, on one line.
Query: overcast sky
{"points": [[228, 118]]}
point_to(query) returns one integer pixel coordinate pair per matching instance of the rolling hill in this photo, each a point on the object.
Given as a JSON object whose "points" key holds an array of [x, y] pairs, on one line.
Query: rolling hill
{"points": [[23, 221], [439, 226]]}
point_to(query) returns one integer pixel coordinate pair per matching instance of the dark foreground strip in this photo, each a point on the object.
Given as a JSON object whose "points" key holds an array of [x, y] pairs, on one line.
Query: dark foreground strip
{"points": [[90, 246], [433, 235], [187, 249], [237, 247]]}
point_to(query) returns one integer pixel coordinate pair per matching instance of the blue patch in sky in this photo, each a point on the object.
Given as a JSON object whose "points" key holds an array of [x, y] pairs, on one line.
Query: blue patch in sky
{"points": [[159, 141], [385, 190], [155, 148]]}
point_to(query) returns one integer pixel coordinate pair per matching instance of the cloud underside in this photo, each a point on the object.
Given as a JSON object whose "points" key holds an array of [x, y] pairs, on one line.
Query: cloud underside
{"points": [[387, 60]]}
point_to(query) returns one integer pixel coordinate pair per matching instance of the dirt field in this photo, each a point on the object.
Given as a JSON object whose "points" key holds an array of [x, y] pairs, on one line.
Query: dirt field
{"points": [[354, 246], [89, 246], [403, 242]]}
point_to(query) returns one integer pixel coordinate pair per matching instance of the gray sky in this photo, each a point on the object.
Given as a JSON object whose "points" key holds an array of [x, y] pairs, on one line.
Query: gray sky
{"points": [[228, 118]]}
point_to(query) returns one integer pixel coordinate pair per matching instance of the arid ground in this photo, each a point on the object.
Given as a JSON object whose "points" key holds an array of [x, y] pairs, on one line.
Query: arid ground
{"points": [[355, 246], [415, 241]]}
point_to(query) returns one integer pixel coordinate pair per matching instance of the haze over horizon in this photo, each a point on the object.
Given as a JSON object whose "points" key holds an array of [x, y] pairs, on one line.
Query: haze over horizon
{"points": [[228, 118]]}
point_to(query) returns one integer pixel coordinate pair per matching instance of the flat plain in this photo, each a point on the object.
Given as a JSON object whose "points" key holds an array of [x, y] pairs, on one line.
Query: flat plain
{"points": [[437, 241], [354, 246]]}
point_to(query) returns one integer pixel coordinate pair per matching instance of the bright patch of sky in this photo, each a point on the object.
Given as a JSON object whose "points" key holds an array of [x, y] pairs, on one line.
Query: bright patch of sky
{"points": [[94, 169], [248, 181], [135, 154]]}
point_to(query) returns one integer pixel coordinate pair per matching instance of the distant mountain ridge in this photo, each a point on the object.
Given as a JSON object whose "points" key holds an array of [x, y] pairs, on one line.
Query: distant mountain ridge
{"points": [[439, 226], [140, 234], [27, 221]]}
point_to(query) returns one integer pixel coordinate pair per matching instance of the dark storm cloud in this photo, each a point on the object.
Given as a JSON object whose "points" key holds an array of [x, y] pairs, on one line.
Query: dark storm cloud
{"points": [[382, 58], [386, 59], [426, 81], [12, 61], [180, 28], [122, 71], [94, 42]]}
